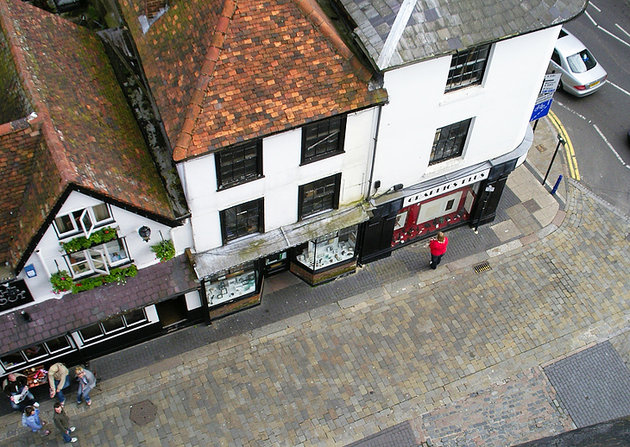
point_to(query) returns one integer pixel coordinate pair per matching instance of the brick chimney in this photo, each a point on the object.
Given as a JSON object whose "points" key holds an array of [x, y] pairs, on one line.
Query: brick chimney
{"points": [[152, 7]]}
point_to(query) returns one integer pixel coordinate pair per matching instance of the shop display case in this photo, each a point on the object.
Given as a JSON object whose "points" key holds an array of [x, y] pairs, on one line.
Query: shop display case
{"points": [[328, 250], [234, 289], [231, 288], [327, 257]]}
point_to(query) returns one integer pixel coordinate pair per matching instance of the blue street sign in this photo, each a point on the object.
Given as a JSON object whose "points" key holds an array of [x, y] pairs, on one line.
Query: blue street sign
{"points": [[541, 109], [545, 97]]}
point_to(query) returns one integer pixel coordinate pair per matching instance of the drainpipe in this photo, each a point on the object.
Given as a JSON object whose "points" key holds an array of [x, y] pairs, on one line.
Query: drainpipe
{"points": [[375, 141], [41, 260]]}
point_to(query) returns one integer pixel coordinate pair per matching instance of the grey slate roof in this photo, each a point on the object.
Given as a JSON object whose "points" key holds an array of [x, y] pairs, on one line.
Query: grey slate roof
{"points": [[400, 32]]}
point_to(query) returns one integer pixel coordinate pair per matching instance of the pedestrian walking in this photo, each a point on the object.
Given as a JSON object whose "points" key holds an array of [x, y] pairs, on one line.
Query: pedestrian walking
{"points": [[58, 380], [87, 382], [62, 422], [437, 246], [16, 387], [31, 419]]}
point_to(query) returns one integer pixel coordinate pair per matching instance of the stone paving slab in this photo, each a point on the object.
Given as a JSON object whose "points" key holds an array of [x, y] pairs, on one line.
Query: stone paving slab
{"points": [[400, 435], [520, 410], [593, 384]]}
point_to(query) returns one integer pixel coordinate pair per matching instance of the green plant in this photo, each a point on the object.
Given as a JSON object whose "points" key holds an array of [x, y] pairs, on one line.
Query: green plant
{"points": [[164, 250], [118, 276], [81, 243], [61, 281]]}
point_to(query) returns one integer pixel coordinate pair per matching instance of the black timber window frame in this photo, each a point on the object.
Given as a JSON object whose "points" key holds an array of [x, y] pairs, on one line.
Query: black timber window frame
{"points": [[242, 220], [320, 195], [323, 139], [449, 141], [467, 67], [238, 164]]}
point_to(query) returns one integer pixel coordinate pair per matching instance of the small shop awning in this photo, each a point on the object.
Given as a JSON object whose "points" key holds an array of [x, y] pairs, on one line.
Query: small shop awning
{"points": [[274, 241]]}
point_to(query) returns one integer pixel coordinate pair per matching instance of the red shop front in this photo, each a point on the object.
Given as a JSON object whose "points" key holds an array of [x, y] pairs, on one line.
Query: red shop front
{"points": [[419, 219]]}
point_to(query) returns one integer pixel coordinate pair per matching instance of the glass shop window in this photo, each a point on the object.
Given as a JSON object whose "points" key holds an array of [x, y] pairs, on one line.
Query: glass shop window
{"points": [[35, 353], [232, 284], [113, 326], [328, 250]]}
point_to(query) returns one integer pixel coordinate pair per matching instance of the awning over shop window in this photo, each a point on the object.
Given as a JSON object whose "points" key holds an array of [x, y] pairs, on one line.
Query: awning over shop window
{"points": [[259, 245]]}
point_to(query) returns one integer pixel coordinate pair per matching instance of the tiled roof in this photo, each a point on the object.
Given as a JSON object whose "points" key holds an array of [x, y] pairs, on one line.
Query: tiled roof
{"points": [[223, 71], [398, 32], [30, 186], [89, 137], [53, 318]]}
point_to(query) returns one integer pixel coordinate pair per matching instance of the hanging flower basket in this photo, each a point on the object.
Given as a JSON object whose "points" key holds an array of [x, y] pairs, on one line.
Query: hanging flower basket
{"points": [[61, 281], [164, 250]]}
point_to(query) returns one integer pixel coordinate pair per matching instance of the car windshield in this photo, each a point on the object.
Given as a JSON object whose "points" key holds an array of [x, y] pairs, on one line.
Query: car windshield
{"points": [[581, 62]]}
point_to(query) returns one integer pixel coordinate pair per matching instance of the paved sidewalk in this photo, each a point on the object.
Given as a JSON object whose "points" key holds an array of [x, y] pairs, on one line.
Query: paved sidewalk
{"points": [[453, 356]]}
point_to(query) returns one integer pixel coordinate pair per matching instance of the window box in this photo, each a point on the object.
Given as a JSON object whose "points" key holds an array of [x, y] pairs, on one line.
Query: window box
{"points": [[96, 238], [62, 282]]}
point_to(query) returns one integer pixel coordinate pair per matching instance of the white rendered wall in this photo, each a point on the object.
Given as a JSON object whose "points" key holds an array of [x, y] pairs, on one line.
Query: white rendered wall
{"points": [[282, 175], [500, 108], [49, 254]]}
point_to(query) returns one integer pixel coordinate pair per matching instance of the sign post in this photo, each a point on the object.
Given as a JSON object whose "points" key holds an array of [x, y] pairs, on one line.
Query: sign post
{"points": [[545, 97]]}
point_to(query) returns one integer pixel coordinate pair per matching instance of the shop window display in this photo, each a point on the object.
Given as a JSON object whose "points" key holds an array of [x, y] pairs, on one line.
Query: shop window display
{"points": [[232, 284], [422, 219], [328, 250]]}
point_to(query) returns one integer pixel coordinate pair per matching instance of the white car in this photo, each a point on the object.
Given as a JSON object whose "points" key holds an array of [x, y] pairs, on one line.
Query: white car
{"points": [[581, 74]]}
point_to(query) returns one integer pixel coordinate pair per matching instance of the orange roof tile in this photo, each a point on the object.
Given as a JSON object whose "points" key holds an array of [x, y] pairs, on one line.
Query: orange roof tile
{"points": [[223, 71], [89, 137]]}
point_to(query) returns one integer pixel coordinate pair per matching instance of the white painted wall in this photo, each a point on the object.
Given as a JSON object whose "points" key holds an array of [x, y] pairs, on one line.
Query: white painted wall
{"points": [[500, 108], [48, 255], [282, 177]]}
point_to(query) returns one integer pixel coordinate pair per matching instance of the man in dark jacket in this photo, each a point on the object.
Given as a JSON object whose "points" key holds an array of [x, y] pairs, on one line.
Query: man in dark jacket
{"points": [[63, 423], [16, 387]]}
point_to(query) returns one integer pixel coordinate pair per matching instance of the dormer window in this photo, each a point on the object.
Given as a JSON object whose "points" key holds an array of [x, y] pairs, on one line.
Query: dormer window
{"points": [[83, 221]]}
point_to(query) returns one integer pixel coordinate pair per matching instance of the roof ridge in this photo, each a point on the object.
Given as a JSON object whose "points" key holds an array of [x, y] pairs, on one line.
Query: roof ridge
{"points": [[207, 70], [43, 118]]}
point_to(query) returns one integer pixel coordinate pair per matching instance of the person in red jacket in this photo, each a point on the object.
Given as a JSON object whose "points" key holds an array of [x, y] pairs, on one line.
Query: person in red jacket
{"points": [[437, 246]]}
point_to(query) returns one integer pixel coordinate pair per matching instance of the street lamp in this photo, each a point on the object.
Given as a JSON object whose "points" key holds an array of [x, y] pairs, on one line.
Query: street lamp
{"points": [[145, 233]]}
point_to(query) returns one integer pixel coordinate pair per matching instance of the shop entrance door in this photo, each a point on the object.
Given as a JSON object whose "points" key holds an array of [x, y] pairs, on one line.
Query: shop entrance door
{"points": [[173, 313]]}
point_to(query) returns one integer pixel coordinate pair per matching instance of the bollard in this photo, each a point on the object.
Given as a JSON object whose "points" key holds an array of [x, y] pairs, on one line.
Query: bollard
{"points": [[555, 187]]}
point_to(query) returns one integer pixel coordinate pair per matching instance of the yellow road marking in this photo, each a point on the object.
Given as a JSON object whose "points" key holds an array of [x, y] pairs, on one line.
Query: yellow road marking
{"points": [[568, 146]]}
